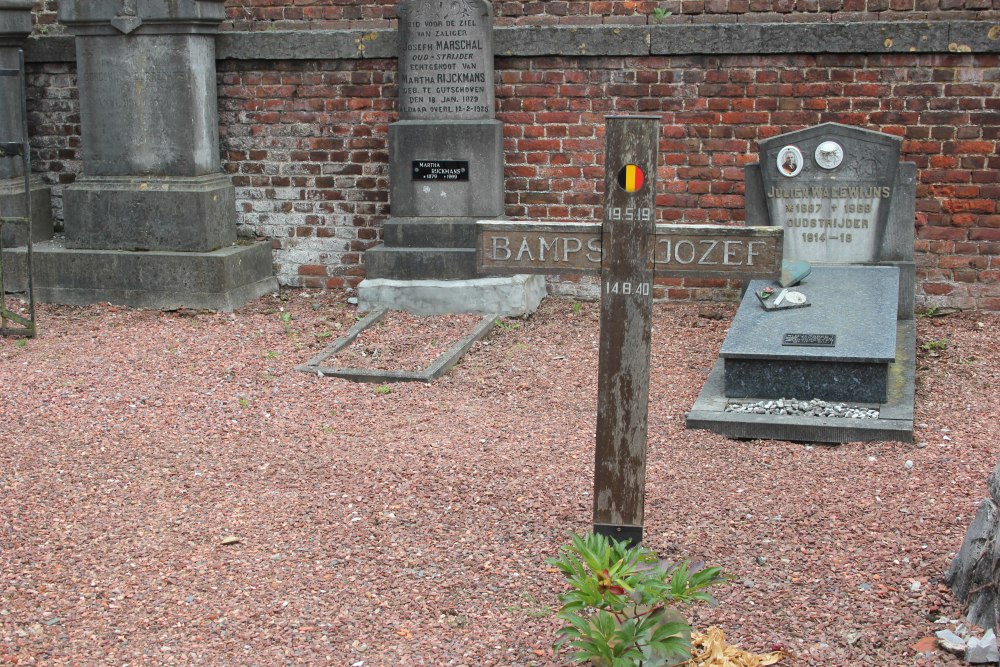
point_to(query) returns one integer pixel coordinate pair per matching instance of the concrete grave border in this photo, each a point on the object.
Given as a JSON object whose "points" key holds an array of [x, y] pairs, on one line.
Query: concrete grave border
{"points": [[436, 369]]}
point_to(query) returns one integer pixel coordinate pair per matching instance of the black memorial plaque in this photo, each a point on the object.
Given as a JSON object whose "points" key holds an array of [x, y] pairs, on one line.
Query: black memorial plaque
{"points": [[809, 340], [440, 170]]}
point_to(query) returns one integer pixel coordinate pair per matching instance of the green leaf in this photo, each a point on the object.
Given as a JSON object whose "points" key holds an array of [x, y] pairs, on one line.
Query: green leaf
{"points": [[679, 582], [672, 629]]}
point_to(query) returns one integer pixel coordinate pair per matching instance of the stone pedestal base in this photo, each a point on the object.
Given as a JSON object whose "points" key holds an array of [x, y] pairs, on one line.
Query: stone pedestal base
{"points": [[220, 280], [871, 361], [12, 206], [895, 421], [187, 214], [507, 296], [856, 306], [826, 380], [907, 288], [476, 144], [385, 263], [425, 249]]}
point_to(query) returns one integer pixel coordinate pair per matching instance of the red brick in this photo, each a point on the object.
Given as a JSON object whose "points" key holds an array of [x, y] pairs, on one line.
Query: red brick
{"points": [[937, 289], [992, 234], [312, 270], [942, 233]]}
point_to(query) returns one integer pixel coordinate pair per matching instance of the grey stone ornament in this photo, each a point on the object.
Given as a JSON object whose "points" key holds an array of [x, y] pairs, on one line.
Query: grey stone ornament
{"points": [[126, 24], [128, 18], [795, 298], [829, 155]]}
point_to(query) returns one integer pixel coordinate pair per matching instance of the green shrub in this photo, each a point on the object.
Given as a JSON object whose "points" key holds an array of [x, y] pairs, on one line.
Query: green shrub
{"points": [[620, 607]]}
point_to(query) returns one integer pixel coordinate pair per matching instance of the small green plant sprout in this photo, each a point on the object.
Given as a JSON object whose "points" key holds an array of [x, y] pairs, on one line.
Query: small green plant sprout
{"points": [[577, 307], [383, 389], [506, 326], [270, 354], [659, 14], [21, 343], [929, 311], [244, 402], [935, 344], [620, 607]]}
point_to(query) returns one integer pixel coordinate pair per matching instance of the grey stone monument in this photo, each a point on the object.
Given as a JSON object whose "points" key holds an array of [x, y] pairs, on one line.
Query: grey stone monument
{"points": [[152, 220], [846, 334], [446, 169], [15, 26], [848, 199]]}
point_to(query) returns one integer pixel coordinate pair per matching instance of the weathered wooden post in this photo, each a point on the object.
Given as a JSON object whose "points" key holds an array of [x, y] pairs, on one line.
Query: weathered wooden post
{"points": [[626, 324]]}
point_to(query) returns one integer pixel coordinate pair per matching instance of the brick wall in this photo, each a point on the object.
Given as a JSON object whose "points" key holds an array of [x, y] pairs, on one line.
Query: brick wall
{"points": [[54, 126], [306, 146], [305, 139], [339, 14], [714, 110]]}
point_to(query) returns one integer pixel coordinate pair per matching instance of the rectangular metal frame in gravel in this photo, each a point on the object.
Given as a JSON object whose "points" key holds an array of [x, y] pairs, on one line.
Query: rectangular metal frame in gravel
{"points": [[436, 369]]}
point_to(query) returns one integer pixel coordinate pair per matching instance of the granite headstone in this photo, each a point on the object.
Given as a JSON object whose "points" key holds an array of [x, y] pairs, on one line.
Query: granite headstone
{"points": [[151, 173], [445, 60], [446, 121], [846, 205], [842, 197]]}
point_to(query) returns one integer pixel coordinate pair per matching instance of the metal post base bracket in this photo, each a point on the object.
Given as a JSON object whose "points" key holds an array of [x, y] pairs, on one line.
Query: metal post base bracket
{"points": [[632, 535]]}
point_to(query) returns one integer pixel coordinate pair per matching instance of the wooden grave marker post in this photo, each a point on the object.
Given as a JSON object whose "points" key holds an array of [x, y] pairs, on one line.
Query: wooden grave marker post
{"points": [[628, 249]]}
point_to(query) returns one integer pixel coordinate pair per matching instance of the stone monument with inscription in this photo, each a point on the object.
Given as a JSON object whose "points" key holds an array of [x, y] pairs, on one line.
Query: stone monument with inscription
{"points": [[15, 26], [152, 220], [847, 201], [446, 169], [845, 335]]}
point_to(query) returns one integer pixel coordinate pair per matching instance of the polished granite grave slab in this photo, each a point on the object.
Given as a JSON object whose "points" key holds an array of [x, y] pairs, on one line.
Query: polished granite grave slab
{"points": [[858, 309], [854, 306]]}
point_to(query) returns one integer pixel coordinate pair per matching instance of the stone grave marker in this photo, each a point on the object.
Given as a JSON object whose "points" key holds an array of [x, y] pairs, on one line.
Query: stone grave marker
{"points": [[628, 250], [847, 201], [151, 222], [446, 170], [846, 205]]}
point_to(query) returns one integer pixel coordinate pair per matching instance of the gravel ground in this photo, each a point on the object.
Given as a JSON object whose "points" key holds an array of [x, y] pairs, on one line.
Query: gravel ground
{"points": [[172, 492]]}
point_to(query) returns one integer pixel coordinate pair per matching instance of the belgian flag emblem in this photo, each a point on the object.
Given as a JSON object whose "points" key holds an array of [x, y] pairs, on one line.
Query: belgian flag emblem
{"points": [[631, 177]]}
